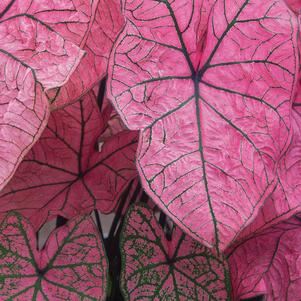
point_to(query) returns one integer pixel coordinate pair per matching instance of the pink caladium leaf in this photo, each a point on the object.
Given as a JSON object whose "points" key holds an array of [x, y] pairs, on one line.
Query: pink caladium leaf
{"points": [[65, 173], [103, 30], [269, 264], [154, 268], [23, 115], [71, 19], [72, 266], [285, 200], [211, 91], [33, 58], [77, 21], [37, 46]]}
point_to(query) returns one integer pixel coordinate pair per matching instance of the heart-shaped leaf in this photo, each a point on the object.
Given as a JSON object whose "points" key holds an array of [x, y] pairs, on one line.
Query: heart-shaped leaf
{"points": [[269, 264], [154, 268], [65, 173], [33, 57], [104, 27], [211, 90], [72, 266]]}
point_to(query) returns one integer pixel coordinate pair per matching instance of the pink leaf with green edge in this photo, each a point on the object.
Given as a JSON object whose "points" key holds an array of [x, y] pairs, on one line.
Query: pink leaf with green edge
{"points": [[72, 266], [214, 109], [65, 174], [154, 268], [103, 31], [269, 264], [285, 200], [33, 57]]}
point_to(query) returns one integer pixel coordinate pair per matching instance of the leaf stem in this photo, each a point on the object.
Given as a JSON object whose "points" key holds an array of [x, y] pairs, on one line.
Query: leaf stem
{"points": [[101, 93], [7, 8], [98, 223]]}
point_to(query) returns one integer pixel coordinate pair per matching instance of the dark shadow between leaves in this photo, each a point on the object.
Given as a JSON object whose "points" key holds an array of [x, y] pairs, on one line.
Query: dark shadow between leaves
{"points": [[45, 231], [256, 298]]}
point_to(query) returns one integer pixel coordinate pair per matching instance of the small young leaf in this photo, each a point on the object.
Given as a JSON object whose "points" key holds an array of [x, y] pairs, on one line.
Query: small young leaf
{"points": [[72, 266], [154, 268], [269, 264], [213, 107], [64, 174]]}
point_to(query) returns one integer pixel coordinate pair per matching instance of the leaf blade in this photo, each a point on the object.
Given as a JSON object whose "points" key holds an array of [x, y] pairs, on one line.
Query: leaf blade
{"points": [[156, 269], [210, 122], [44, 281]]}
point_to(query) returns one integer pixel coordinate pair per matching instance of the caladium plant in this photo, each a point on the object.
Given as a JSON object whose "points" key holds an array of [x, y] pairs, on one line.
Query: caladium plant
{"points": [[105, 23], [154, 268], [285, 200], [72, 266], [66, 172], [214, 88], [211, 90], [35, 57], [269, 264]]}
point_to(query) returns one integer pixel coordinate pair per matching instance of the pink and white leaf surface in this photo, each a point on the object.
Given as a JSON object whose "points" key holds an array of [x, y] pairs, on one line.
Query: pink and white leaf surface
{"points": [[285, 200], [269, 264], [34, 57], [106, 23], [211, 91]]}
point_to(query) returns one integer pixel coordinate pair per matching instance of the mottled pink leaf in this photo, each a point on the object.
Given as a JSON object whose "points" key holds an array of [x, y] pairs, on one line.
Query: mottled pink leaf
{"points": [[72, 266], [269, 264], [213, 107], [103, 30], [33, 57], [154, 268], [65, 174]]}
